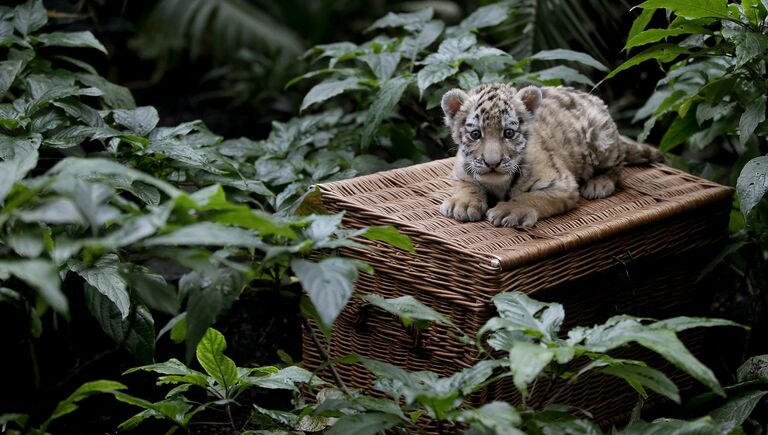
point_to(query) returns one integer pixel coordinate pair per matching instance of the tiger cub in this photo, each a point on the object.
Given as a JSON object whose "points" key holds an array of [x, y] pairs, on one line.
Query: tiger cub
{"points": [[532, 152]]}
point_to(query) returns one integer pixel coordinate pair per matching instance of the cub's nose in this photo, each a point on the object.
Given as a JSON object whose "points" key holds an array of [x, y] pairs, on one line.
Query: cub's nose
{"points": [[491, 165]]}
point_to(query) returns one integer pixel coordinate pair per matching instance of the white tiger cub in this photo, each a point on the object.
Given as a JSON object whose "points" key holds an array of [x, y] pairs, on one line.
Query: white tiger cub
{"points": [[531, 152]]}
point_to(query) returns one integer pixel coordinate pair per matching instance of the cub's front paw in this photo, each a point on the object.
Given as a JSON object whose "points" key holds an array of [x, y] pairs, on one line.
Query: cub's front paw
{"points": [[510, 215], [464, 208]]}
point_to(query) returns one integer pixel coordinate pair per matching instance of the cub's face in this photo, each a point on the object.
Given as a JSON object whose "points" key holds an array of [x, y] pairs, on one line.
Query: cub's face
{"points": [[491, 124]]}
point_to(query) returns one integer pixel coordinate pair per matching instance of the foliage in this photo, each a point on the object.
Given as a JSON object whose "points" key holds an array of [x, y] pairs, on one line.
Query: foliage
{"points": [[527, 349], [127, 199]]}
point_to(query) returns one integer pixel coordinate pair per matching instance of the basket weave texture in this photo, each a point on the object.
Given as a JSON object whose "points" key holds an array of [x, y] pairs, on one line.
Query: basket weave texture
{"points": [[638, 252]]}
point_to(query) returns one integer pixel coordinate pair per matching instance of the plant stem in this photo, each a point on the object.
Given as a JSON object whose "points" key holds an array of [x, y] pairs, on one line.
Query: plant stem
{"points": [[324, 355], [231, 419]]}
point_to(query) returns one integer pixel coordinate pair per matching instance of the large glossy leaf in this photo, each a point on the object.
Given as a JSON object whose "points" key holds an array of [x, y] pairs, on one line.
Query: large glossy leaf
{"points": [[384, 102], [526, 361], [15, 168], [369, 423], [104, 276], [753, 369], [41, 275], [499, 417], [328, 283], [71, 39], [206, 234], [140, 120], [701, 426], [328, 89], [401, 20], [174, 371], [136, 332], [289, 378], [737, 409], [407, 308], [391, 236], [434, 73], [8, 71], [485, 16], [383, 64], [29, 16], [680, 131], [659, 52], [751, 118], [570, 55], [682, 323], [95, 168], [209, 297], [528, 315], [116, 96], [690, 8], [752, 183], [655, 35], [83, 391], [210, 355], [645, 377], [151, 288]]}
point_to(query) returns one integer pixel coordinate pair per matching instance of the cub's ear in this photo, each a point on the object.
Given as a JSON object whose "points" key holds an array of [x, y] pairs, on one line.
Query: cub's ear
{"points": [[531, 97], [451, 103]]}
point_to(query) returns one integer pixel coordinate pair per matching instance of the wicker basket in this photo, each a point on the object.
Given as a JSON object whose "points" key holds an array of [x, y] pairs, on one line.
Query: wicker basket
{"points": [[637, 252]]}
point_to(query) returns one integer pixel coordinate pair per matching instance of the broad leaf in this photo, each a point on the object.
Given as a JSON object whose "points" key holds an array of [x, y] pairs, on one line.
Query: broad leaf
{"points": [[369, 423], [701, 426], [288, 378], [29, 16], [401, 20], [752, 183], [485, 16], [570, 55], [210, 355], [85, 390], [328, 89], [690, 8], [207, 234], [407, 308], [328, 283], [140, 120], [526, 362], [385, 101], [499, 417], [434, 73], [737, 409], [748, 46], [680, 130], [528, 315], [41, 275], [682, 323], [660, 53], [647, 377], [16, 168], [753, 369], [655, 35], [8, 71], [71, 39], [103, 275], [383, 64], [640, 23], [136, 332], [175, 372], [751, 118]]}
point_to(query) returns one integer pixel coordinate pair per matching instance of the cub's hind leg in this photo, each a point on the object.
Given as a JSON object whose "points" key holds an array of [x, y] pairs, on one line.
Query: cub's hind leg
{"points": [[601, 185]]}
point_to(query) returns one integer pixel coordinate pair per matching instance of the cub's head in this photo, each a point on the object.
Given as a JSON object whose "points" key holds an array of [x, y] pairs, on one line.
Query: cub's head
{"points": [[491, 124]]}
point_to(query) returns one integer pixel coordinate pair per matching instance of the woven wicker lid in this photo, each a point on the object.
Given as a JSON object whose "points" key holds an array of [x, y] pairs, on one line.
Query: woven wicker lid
{"points": [[409, 199]]}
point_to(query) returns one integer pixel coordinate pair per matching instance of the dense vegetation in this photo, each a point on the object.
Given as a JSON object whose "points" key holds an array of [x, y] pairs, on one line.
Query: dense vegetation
{"points": [[156, 231]]}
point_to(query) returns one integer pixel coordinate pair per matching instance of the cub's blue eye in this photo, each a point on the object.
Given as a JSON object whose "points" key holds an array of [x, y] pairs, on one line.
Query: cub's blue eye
{"points": [[509, 133], [475, 134]]}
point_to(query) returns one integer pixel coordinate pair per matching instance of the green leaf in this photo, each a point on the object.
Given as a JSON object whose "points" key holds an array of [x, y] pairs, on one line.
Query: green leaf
{"points": [[690, 8], [103, 275], [384, 102], [408, 308], [27, 243], [136, 332], [210, 355], [434, 73], [390, 235], [115, 96], [71, 39], [621, 330], [737, 410], [752, 184], [29, 16], [655, 35], [660, 53], [527, 360], [16, 168], [645, 376], [8, 71], [328, 283], [95, 168], [499, 417], [285, 379], [83, 391], [525, 314], [92, 200], [209, 297], [140, 120], [382, 64], [401, 20], [574, 56], [485, 16], [428, 34], [369, 423], [562, 73], [682, 323], [41, 275], [206, 234], [751, 118], [328, 89], [151, 288], [680, 130], [640, 23], [176, 373], [753, 369], [701, 426]]}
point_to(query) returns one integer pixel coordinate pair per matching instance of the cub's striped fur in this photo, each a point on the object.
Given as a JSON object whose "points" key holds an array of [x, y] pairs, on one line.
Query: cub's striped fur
{"points": [[528, 154]]}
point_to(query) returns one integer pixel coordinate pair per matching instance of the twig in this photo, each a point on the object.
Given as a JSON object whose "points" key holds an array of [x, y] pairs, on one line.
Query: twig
{"points": [[324, 355]]}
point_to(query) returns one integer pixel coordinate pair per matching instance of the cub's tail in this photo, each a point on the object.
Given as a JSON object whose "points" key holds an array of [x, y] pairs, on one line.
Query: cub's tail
{"points": [[638, 153]]}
